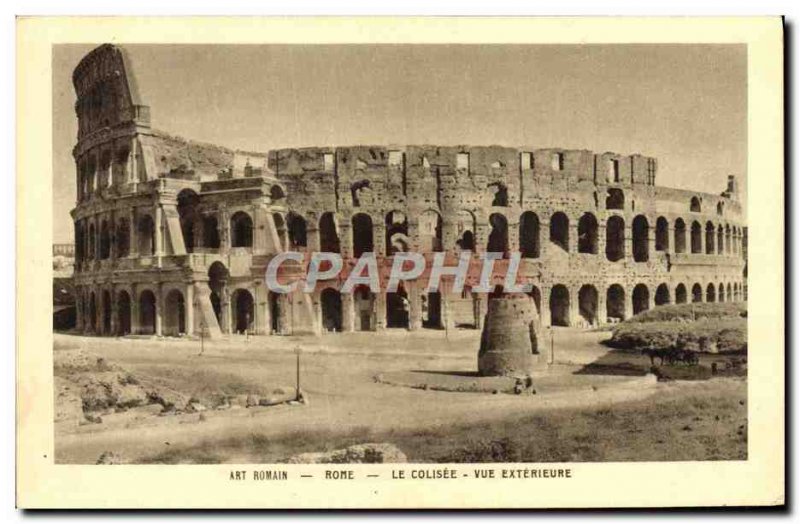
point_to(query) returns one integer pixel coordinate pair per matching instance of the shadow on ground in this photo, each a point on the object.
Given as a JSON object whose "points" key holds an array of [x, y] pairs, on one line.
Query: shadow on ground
{"points": [[629, 362], [448, 373]]}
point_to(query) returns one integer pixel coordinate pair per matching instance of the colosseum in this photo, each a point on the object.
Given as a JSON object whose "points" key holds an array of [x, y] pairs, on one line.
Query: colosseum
{"points": [[173, 237]]}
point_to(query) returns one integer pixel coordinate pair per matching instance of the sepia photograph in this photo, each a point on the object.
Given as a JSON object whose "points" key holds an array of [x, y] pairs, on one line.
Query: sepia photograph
{"points": [[303, 261], [625, 207]]}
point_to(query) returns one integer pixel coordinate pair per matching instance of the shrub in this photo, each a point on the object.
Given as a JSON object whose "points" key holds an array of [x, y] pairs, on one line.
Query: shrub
{"points": [[485, 450], [691, 312], [707, 335]]}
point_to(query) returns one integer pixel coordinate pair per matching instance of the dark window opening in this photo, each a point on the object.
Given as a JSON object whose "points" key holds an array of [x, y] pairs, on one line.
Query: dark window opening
{"points": [[529, 235], [241, 230], [559, 230]]}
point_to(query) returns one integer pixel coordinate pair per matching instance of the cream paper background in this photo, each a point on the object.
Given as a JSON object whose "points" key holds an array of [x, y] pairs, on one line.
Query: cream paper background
{"points": [[757, 481]]}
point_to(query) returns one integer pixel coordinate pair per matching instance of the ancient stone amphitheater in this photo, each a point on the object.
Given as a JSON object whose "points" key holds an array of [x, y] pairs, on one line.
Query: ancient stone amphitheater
{"points": [[173, 237]]}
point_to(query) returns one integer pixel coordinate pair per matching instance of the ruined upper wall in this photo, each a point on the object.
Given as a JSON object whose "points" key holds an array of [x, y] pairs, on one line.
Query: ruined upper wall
{"points": [[107, 93], [451, 178]]}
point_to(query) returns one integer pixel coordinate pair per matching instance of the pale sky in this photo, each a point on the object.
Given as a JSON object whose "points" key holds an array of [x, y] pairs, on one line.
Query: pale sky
{"points": [[683, 104]]}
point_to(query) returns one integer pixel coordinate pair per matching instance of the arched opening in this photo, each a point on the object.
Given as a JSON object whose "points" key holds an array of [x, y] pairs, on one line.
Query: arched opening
{"points": [[217, 276], [121, 175], [587, 302], [397, 240], [662, 234], [298, 235], [123, 238], [243, 311], [147, 312], [123, 313], [721, 293], [463, 309], [559, 230], [728, 240], [709, 238], [106, 312], [615, 239], [720, 239], [275, 313], [241, 230], [680, 294], [559, 306], [91, 253], [91, 173], [500, 198], [429, 229], [217, 280], [105, 241], [397, 308], [364, 303], [187, 212], [641, 299], [467, 241], [711, 293], [174, 314], [662, 295], [697, 241], [92, 312], [79, 240], [720, 208], [615, 302], [694, 205], [328, 234], [615, 199], [587, 234], [498, 237], [729, 296], [362, 234], [612, 176], [276, 195], [432, 311], [105, 164], [331, 302], [466, 231], [529, 235], [210, 232], [680, 236], [697, 293], [641, 239], [145, 234]]}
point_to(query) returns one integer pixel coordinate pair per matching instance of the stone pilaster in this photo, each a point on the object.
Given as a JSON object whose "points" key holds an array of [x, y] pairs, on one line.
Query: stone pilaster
{"points": [[159, 309], [348, 313], [602, 306]]}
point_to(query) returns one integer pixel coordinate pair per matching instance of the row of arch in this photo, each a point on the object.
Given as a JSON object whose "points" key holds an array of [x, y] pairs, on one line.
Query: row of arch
{"points": [[116, 313], [203, 231], [99, 170], [718, 239], [641, 299]]}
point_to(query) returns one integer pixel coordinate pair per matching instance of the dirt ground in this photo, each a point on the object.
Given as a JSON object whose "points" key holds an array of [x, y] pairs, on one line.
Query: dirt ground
{"points": [[346, 404]]}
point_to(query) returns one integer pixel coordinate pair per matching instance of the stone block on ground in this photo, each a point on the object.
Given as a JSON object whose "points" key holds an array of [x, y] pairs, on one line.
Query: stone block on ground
{"points": [[109, 458], [372, 453]]}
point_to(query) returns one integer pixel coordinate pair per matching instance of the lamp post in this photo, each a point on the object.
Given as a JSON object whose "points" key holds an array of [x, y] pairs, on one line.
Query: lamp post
{"points": [[297, 351], [202, 332]]}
